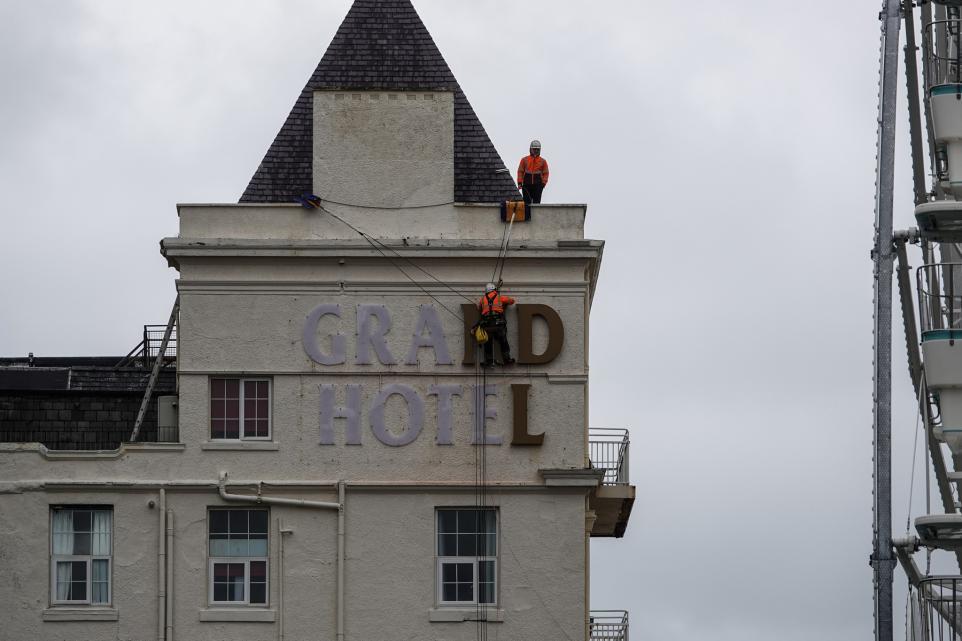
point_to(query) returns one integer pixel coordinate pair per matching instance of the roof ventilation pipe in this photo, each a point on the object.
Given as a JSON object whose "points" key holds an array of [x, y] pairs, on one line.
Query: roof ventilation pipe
{"points": [[305, 503]]}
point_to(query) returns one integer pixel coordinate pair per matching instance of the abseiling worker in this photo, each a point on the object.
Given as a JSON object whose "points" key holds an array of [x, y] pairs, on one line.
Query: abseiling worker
{"points": [[492, 306], [533, 174]]}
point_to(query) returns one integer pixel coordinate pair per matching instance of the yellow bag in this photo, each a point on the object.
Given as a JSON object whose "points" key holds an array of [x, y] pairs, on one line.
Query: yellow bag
{"points": [[480, 335]]}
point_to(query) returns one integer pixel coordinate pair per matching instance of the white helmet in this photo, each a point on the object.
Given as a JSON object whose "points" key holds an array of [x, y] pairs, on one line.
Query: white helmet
{"points": [[489, 287], [535, 144]]}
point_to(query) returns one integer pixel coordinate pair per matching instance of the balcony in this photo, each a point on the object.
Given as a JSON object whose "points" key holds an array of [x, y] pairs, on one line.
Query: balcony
{"points": [[936, 610], [608, 625], [612, 501]]}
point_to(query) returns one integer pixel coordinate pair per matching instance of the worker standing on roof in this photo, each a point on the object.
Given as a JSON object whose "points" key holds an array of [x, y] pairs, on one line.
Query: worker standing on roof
{"points": [[533, 174], [492, 306]]}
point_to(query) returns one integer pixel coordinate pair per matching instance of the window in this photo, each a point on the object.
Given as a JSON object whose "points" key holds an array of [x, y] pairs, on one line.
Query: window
{"points": [[240, 408], [238, 556], [80, 549], [467, 556]]}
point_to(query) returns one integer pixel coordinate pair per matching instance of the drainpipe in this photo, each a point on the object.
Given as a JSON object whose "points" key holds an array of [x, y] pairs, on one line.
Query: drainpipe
{"points": [[321, 505], [281, 530], [340, 561], [170, 575], [161, 566]]}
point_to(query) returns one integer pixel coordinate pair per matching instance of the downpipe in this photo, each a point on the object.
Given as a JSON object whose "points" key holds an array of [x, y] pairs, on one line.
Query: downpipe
{"points": [[170, 576], [161, 565], [260, 499]]}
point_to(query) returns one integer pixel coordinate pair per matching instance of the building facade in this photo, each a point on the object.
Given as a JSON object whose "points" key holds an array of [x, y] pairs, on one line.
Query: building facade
{"points": [[340, 465]]}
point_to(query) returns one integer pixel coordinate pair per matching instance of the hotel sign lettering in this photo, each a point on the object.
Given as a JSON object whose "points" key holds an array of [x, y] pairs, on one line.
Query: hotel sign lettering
{"points": [[373, 324]]}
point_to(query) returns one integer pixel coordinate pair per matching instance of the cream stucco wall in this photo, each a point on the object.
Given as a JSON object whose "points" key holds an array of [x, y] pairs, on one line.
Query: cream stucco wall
{"points": [[390, 568], [249, 277], [384, 148]]}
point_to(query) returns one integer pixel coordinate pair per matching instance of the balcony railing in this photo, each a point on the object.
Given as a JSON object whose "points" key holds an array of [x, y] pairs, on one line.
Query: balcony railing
{"points": [[936, 612], [608, 451], [608, 625]]}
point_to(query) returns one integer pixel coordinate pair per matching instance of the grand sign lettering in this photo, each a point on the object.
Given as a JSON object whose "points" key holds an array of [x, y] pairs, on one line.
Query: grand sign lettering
{"points": [[373, 324]]}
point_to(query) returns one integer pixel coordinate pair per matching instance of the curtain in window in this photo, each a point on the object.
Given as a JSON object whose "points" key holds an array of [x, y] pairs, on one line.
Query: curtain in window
{"points": [[99, 581], [62, 534], [64, 570], [100, 546]]}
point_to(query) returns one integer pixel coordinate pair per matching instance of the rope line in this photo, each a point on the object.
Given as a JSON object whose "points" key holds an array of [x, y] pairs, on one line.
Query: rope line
{"points": [[334, 202], [375, 244]]}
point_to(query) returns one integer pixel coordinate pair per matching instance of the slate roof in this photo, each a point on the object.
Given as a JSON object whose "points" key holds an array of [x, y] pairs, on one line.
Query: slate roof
{"points": [[381, 45]]}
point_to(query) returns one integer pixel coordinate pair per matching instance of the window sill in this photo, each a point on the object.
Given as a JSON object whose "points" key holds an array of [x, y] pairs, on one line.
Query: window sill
{"points": [[457, 615], [240, 614], [249, 446], [80, 614]]}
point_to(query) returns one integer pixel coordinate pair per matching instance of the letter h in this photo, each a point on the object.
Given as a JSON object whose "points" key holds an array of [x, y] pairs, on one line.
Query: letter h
{"points": [[351, 412]]}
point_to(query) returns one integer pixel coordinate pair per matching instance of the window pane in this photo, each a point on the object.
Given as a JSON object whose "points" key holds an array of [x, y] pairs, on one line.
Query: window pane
{"points": [[231, 428], [218, 521], [448, 544], [237, 521], [262, 390], [99, 586], [64, 574], [447, 521], [220, 591], [449, 573], [467, 521], [238, 547], [486, 592], [488, 521], [465, 592], [100, 542], [232, 388], [258, 547], [232, 408], [258, 593], [259, 571], [78, 571], [449, 592], [217, 388], [467, 544], [218, 546], [217, 408], [81, 521], [465, 572], [81, 543], [258, 521], [490, 545], [218, 429]]}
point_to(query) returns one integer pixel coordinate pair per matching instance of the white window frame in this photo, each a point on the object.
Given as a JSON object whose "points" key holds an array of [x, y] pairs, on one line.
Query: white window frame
{"points": [[441, 561], [87, 558], [240, 410], [246, 560]]}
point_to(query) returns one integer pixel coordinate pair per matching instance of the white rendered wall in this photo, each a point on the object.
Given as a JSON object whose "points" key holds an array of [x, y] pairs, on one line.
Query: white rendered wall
{"points": [[390, 570], [384, 148]]}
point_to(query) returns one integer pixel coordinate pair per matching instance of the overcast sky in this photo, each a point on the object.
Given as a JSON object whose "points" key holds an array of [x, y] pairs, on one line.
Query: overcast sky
{"points": [[727, 153]]}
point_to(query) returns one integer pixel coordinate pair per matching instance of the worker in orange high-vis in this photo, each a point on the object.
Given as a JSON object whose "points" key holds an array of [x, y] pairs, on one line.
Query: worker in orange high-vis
{"points": [[533, 174], [492, 306]]}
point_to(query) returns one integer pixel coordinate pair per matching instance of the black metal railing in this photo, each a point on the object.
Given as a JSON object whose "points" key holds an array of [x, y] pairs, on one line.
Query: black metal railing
{"points": [[145, 353], [608, 451], [608, 625]]}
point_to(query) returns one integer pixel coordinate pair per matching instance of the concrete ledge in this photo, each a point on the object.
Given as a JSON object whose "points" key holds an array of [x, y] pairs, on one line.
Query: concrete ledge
{"points": [[458, 615], [249, 446], [586, 477], [240, 614], [74, 455], [81, 614]]}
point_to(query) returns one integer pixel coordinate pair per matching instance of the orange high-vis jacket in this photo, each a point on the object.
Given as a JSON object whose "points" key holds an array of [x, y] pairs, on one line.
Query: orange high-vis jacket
{"points": [[493, 303], [533, 165]]}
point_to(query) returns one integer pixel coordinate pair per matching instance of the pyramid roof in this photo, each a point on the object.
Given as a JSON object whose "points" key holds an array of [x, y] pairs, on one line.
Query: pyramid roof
{"points": [[381, 45]]}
